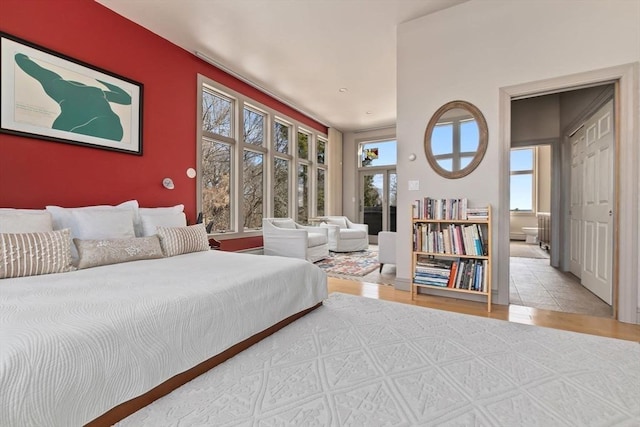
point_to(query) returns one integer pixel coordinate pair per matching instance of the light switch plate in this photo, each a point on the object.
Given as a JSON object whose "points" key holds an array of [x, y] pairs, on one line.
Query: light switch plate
{"points": [[414, 185]]}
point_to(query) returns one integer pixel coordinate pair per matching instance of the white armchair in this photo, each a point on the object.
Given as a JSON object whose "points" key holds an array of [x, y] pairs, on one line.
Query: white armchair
{"points": [[386, 248], [344, 235], [284, 237]]}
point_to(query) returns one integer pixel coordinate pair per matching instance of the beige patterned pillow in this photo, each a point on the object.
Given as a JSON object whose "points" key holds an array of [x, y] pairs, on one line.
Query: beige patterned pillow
{"points": [[182, 240], [112, 251], [31, 254]]}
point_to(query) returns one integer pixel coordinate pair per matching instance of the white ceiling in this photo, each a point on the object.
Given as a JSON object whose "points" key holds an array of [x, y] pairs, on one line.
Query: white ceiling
{"points": [[300, 51]]}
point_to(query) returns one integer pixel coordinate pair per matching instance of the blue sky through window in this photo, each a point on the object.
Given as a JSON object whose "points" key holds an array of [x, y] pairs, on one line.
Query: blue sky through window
{"points": [[522, 184]]}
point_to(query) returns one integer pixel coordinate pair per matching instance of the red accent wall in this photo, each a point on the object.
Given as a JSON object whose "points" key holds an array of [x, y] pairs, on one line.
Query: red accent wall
{"points": [[35, 173]]}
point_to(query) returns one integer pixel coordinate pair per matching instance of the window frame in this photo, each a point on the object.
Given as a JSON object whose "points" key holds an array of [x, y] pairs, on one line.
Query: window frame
{"points": [[238, 145]]}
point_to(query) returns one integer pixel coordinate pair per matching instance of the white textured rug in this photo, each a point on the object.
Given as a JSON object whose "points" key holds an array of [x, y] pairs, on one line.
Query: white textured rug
{"points": [[364, 362]]}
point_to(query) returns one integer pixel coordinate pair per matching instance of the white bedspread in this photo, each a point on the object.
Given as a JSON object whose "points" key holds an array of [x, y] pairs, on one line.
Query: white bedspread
{"points": [[74, 345]]}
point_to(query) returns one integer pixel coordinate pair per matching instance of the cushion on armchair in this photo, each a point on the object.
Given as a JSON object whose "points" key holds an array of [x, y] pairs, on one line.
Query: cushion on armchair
{"points": [[339, 221], [351, 233], [284, 223]]}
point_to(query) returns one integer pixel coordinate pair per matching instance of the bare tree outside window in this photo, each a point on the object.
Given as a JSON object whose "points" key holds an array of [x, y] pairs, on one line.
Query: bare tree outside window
{"points": [[303, 194], [303, 145], [253, 127], [253, 191], [281, 136], [281, 188], [320, 192], [321, 148], [216, 184], [217, 114]]}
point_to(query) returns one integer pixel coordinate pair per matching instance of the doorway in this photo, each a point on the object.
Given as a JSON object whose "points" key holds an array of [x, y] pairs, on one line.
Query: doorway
{"points": [[576, 276], [377, 186]]}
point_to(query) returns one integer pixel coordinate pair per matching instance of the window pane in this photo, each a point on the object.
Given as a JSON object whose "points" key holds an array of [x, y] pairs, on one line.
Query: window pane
{"points": [[378, 153], [320, 192], [303, 194], [303, 145], [216, 184], [217, 114], [464, 161], [281, 188], [522, 160], [320, 150], [281, 134], [522, 192], [469, 137], [446, 164], [253, 194], [253, 127], [442, 139]]}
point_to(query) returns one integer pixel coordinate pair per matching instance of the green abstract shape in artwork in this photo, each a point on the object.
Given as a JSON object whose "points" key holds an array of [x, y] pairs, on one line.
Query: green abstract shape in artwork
{"points": [[84, 109]]}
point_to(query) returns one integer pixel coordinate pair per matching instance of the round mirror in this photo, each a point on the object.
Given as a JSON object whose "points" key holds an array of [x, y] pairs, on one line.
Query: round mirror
{"points": [[456, 139]]}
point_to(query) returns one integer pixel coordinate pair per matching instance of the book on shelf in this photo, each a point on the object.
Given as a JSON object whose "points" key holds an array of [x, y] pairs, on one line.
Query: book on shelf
{"points": [[452, 239]]}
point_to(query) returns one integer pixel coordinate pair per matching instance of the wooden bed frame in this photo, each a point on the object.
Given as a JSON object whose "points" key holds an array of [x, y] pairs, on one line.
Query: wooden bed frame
{"points": [[127, 408]]}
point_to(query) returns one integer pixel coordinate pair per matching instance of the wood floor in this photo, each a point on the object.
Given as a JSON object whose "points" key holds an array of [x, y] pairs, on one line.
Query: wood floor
{"points": [[513, 313]]}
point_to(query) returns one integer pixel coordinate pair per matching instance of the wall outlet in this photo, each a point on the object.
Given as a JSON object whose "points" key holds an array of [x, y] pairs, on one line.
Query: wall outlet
{"points": [[414, 185]]}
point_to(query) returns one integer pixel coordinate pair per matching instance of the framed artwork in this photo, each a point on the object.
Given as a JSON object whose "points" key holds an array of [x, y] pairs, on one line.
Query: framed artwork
{"points": [[50, 96]]}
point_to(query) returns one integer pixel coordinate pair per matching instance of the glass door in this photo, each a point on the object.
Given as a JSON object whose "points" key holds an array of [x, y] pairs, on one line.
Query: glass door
{"points": [[378, 195]]}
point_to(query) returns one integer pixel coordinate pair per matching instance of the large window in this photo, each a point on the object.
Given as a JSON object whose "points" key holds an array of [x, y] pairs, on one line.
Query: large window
{"points": [[522, 173], [255, 163]]}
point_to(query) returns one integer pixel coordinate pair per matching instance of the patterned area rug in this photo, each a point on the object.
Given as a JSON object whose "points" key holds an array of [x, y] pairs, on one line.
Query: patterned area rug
{"points": [[349, 263], [366, 362]]}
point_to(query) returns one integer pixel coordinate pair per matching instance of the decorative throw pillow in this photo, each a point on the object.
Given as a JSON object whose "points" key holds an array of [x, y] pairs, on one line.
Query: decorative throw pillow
{"points": [[182, 240], [112, 251], [25, 221], [31, 254]]}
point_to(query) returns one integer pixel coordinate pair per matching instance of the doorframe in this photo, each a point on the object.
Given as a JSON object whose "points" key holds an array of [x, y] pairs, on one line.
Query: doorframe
{"points": [[626, 274]]}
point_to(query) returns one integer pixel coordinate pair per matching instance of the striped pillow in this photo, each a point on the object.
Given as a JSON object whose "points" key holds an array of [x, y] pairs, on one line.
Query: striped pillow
{"points": [[182, 240], [31, 254]]}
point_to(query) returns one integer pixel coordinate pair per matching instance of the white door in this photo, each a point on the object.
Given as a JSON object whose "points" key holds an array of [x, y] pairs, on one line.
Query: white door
{"points": [[597, 210], [575, 214]]}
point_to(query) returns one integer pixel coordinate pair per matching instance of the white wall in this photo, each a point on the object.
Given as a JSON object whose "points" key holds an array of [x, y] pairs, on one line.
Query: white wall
{"points": [[469, 52]]}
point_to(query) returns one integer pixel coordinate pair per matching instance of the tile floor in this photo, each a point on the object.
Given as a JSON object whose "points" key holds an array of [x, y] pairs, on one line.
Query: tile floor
{"points": [[534, 283]]}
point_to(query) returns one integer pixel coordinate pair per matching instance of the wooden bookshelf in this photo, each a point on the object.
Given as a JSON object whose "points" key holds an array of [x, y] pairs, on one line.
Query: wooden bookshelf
{"points": [[440, 243]]}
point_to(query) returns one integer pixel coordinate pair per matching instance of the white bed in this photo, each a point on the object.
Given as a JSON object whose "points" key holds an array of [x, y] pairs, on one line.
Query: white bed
{"points": [[74, 345]]}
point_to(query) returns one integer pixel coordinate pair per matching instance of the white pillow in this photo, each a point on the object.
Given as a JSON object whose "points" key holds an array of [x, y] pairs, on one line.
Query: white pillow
{"points": [[25, 221], [154, 211], [150, 223], [103, 224], [62, 216]]}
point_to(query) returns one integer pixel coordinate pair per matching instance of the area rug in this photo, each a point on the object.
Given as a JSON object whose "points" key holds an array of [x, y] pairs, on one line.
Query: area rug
{"points": [[526, 250], [365, 362], [358, 264]]}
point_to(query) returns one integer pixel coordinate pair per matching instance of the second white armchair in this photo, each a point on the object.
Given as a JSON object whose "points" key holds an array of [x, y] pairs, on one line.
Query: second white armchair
{"points": [[284, 237], [344, 235]]}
